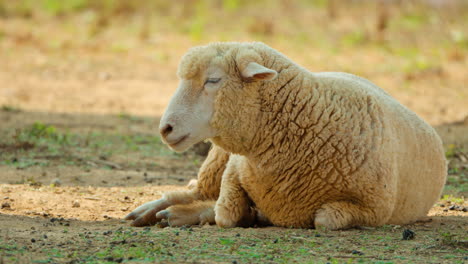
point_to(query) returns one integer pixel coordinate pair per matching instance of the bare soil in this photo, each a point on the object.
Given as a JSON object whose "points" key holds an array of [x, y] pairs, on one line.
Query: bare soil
{"points": [[66, 207]]}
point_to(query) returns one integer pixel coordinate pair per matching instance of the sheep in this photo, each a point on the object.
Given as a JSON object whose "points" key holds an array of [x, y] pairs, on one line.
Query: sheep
{"points": [[293, 148]]}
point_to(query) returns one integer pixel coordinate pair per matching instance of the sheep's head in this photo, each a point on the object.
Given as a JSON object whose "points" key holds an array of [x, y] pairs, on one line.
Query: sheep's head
{"points": [[215, 93]]}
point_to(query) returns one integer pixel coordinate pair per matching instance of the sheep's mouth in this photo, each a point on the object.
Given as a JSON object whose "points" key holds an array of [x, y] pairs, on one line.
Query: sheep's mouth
{"points": [[178, 141]]}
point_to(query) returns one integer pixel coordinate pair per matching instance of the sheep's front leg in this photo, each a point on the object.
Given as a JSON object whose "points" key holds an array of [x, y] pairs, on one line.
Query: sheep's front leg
{"points": [[206, 188], [233, 207], [146, 214]]}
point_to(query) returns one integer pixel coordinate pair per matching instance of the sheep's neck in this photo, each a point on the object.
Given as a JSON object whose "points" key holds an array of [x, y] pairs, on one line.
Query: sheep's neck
{"points": [[284, 118]]}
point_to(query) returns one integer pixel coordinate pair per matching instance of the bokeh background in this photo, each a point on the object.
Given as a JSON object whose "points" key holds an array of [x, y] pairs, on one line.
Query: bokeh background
{"points": [[112, 56], [84, 82]]}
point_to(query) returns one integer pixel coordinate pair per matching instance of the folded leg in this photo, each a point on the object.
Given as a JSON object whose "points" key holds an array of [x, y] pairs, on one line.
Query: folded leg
{"points": [[146, 214], [205, 188], [344, 214], [198, 212]]}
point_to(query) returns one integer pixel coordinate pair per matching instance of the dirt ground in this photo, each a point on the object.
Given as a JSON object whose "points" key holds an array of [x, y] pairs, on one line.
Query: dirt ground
{"points": [[63, 201], [79, 147]]}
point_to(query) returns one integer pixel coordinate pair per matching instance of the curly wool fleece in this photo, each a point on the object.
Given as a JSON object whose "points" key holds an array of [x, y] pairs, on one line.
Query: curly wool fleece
{"points": [[303, 149]]}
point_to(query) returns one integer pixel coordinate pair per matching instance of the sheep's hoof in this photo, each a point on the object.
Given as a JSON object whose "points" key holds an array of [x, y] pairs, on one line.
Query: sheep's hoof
{"points": [[174, 218], [145, 214], [164, 214]]}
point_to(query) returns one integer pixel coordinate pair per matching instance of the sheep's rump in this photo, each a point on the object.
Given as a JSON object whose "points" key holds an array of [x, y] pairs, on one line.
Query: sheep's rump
{"points": [[411, 145]]}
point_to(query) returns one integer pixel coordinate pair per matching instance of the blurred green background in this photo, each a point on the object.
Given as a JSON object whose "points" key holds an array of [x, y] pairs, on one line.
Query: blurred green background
{"points": [[84, 82]]}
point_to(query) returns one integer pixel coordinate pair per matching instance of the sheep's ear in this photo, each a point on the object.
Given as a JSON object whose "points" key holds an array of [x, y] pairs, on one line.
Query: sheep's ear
{"points": [[255, 71]]}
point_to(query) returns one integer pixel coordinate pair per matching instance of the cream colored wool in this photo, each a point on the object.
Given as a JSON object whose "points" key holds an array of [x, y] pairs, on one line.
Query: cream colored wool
{"points": [[303, 149]]}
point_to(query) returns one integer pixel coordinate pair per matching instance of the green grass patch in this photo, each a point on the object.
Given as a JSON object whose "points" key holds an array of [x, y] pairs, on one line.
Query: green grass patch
{"points": [[451, 198], [41, 144]]}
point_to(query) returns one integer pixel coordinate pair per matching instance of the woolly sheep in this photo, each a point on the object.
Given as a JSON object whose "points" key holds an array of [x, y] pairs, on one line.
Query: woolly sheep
{"points": [[293, 148]]}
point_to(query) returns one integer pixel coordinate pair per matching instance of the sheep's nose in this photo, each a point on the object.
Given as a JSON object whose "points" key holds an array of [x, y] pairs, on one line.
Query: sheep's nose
{"points": [[166, 130]]}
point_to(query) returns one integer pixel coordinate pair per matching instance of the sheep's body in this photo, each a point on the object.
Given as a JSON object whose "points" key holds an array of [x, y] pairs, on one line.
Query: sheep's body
{"points": [[355, 144], [328, 149]]}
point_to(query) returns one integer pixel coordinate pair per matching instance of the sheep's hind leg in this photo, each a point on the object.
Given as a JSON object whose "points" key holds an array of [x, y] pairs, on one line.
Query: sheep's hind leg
{"points": [[343, 214]]}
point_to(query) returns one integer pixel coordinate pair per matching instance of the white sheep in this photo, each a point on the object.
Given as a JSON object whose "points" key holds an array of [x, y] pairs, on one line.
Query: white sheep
{"points": [[293, 147]]}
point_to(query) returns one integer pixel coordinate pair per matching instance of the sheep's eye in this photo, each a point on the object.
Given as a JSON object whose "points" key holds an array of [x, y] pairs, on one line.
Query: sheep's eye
{"points": [[212, 80]]}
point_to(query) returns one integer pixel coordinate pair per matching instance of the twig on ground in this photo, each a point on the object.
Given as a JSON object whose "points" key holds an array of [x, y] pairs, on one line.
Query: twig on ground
{"points": [[92, 198]]}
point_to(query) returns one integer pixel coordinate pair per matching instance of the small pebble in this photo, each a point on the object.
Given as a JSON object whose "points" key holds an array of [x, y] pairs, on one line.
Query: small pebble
{"points": [[452, 207], [318, 235], [6, 205], [56, 182], [356, 252], [76, 204], [408, 234], [33, 240], [275, 241], [237, 235]]}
